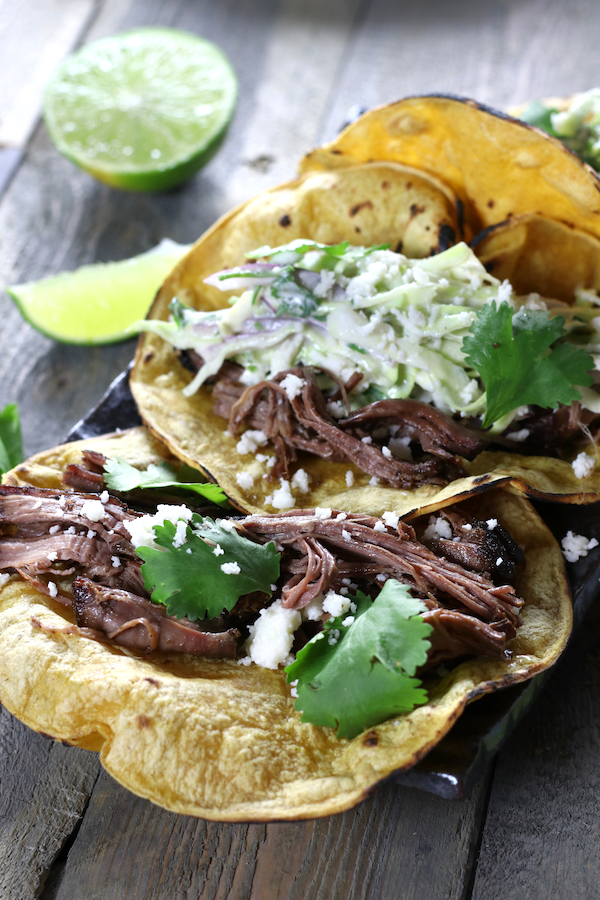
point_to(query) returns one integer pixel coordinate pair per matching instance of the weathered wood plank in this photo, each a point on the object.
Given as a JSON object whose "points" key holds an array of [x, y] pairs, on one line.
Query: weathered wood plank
{"points": [[44, 789], [127, 848], [541, 837]]}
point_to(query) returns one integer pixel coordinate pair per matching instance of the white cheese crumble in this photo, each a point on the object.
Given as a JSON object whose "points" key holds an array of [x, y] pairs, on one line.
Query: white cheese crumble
{"points": [[499, 561], [575, 546], [322, 512], [333, 636], [53, 529], [4, 577], [313, 611], [346, 535], [337, 408], [348, 620], [62, 501], [281, 498], [52, 555], [438, 528], [386, 452], [142, 528], [349, 478], [245, 480], [367, 440], [335, 604], [294, 685], [301, 481], [292, 385], [180, 534], [52, 589], [341, 517], [519, 436], [583, 465], [226, 524], [272, 635], [90, 534], [491, 524], [116, 562], [390, 519], [379, 526], [93, 510], [218, 551], [373, 481], [250, 441], [104, 497], [231, 568]]}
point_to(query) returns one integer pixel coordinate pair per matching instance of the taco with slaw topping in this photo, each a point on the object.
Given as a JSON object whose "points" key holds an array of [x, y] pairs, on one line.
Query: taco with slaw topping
{"points": [[357, 369], [165, 638]]}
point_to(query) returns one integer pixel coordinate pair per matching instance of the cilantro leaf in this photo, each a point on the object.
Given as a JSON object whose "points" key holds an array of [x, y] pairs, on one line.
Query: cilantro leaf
{"points": [[295, 299], [189, 579], [365, 675], [515, 356], [122, 477], [11, 442]]}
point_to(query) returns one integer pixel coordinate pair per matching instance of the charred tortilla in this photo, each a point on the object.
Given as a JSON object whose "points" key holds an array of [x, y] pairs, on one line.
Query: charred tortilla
{"points": [[223, 741], [522, 192]]}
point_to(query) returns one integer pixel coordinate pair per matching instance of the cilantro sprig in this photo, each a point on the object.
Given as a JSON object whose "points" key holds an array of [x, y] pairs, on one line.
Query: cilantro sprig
{"points": [[189, 577], [120, 476], [353, 676], [522, 361], [11, 442]]}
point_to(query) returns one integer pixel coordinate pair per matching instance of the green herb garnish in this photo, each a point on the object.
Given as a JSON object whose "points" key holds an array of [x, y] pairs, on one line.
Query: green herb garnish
{"points": [[11, 441], [189, 577], [120, 476], [353, 676], [521, 360]]}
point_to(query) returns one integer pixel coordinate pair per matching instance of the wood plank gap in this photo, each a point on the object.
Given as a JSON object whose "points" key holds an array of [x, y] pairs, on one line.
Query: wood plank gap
{"points": [[54, 876], [482, 814]]}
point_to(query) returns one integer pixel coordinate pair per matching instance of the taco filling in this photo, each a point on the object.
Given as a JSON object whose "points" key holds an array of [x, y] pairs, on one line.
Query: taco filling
{"points": [[265, 587], [402, 367]]}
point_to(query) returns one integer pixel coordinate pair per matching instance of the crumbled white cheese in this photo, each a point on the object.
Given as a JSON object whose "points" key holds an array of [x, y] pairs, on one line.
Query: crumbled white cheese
{"points": [[335, 604], [505, 292], [346, 535], [245, 480], [301, 481], [576, 545], [373, 481], [583, 465], [71, 530], [348, 620], [333, 636], [337, 408], [467, 526], [53, 529], [231, 568], [52, 589], [326, 282], [104, 497], [491, 524], [226, 524], [519, 436], [400, 447], [438, 528], [218, 551], [322, 512], [294, 685], [250, 441], [390, 519], [116, 562], [93, 510], [269, 461], [52, 555], [349, 478], [292, 385], [367, 440], [499, 561], [90, 534], [313, 611], [180, 534], [341, 517], [142, 528], [386, 452], [282, 496], [4, 577], [62, 501], [272, 635], [379, 526]]}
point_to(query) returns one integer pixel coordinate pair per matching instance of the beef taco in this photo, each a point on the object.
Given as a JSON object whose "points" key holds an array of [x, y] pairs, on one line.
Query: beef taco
{"points": [[358, 363], [158, 636]]}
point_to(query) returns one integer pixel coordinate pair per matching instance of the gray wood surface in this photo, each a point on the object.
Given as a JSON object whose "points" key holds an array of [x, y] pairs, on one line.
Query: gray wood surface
{"points": [[530, 828]]}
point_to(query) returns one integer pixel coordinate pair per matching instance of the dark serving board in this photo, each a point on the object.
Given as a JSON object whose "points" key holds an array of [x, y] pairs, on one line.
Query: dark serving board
{"points": [[451, 769]]}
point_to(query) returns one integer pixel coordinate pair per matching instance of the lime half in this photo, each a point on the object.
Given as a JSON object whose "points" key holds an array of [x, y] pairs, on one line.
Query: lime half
{"points": [[142, 110], [97, 304]]}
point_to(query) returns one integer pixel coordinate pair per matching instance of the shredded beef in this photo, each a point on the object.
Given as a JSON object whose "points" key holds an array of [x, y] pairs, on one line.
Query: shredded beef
{"points": [[466, 587]]}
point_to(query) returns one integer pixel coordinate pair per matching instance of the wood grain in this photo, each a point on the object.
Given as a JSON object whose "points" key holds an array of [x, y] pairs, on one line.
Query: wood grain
{"points": [[353, 856]]}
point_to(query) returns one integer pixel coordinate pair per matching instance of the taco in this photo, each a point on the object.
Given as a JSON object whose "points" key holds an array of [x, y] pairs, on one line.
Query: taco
{"points": [[413, 400], [573, 120], [186, 712]]}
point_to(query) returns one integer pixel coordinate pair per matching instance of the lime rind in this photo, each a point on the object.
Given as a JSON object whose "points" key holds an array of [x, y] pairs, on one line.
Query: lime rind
{"points": [[142, 110], [98, 303]]}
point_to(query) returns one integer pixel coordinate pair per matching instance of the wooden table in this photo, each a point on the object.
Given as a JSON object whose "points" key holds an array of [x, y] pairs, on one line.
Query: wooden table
{"points": [[530, 828]]}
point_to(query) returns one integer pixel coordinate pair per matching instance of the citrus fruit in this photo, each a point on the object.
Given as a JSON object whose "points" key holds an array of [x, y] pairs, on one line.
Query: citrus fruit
{"points": [[97, 304], [142, 110]]}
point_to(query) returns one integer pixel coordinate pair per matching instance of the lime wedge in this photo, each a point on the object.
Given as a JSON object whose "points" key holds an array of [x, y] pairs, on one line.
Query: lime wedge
{"points": [[142, 110], [97, 304]]}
